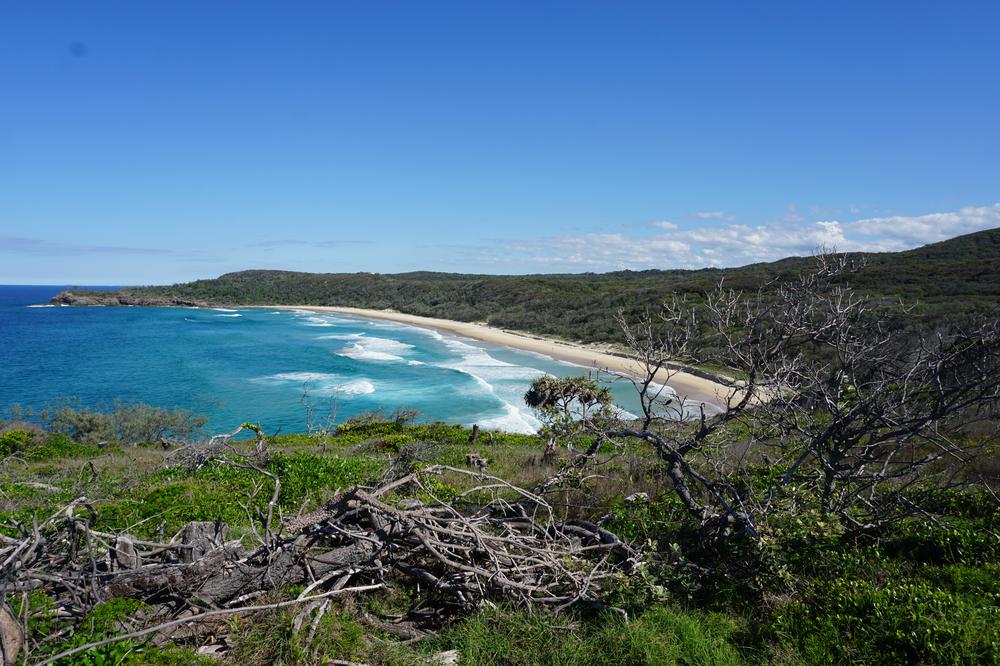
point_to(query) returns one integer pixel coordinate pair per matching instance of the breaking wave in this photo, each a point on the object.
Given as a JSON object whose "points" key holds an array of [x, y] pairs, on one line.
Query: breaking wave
{"points": [[310, 318], [323, 383], [505, 381], [369, 348]]}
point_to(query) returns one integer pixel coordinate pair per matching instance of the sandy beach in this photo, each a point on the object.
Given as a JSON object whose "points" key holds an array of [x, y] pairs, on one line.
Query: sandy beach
{"points": [[684, 384]]}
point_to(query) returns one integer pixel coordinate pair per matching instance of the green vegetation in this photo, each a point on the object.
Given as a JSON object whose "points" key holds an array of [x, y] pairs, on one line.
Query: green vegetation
{"points": [[916, 594], [948, 280], [842, 509], [660, 635]]}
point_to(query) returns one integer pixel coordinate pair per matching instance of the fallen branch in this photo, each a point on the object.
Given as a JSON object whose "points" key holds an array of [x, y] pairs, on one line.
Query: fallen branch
{"points": [[204, 616]]}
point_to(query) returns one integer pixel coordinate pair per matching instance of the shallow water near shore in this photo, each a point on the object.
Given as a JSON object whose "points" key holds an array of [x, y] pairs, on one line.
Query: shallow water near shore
{"points": [[236, 365]]}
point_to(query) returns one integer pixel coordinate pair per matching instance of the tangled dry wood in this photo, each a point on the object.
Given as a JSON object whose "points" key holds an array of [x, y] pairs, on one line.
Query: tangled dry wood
{"points": [[494, 541]]}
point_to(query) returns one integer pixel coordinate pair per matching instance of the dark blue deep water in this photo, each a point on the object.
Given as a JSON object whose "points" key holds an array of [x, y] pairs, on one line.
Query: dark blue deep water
{"points": [[253, 364]]}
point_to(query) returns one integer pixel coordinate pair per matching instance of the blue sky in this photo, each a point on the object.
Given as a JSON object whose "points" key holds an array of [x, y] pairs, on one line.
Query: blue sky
{"points": [[150, 142]]}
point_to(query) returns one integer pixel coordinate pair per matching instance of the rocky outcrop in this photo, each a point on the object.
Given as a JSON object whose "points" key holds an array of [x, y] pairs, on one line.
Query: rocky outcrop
{"points": [[119, 298]]}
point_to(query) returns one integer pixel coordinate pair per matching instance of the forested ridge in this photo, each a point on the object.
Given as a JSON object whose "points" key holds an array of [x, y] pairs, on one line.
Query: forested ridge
{"points": [[943, 280]]}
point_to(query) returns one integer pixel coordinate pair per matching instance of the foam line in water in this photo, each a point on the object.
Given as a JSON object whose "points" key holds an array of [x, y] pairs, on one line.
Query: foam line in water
{"points": [[410, 328], [318, 319], [505, 381], [370, 348], [359, 353], [318, 322], [323, 383], [512, 420]]}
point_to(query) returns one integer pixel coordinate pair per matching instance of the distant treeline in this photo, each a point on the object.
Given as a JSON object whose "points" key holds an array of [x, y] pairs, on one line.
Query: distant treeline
{"points": [[953, 279]]}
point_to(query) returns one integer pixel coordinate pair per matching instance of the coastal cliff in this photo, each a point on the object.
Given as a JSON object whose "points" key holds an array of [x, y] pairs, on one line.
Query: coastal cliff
{"points": [[119, 298]]}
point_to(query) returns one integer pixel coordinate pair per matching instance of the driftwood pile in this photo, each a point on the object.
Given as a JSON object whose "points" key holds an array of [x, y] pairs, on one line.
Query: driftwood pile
{"points": [[493, 542]]}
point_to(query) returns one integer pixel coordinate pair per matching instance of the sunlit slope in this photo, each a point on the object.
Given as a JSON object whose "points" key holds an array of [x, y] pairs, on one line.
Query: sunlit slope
{"points": [[952, 278]]}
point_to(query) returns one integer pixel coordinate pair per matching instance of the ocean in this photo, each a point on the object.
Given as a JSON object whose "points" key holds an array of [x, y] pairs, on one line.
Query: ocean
{"points": [[236, 365]]}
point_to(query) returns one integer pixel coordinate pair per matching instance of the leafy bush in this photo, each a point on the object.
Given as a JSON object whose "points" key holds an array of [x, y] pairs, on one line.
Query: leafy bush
{"points": [[951, 544], [900, 622], [399, 417], [57, 445], [128, 424], [13, 441]]}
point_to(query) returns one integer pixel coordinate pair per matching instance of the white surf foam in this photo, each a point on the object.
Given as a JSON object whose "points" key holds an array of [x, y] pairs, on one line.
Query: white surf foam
{"points": [[359, 353], [505, 381], [370, 348], [512, 420], [224, 310], [323, 383], [341, 336], [358, 387], [310, 318], [400, 326], [50, 305], [227, 315], [318, 322], [303, 376], [386, 344]]}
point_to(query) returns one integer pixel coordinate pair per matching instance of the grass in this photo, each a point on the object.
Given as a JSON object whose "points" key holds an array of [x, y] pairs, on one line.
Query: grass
{"points": [[660, 636], [921, 595]]}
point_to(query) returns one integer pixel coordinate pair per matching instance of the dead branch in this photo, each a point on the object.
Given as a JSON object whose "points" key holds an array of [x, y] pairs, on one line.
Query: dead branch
{"points": [[496, 541]]}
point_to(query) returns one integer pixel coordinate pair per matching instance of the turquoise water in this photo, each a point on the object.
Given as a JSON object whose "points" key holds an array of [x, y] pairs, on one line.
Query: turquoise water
{"points": [[236, 365]]}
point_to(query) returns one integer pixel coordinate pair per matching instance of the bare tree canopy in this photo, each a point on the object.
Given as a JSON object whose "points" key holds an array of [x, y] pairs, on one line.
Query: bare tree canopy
{"points": [[832, 389]]}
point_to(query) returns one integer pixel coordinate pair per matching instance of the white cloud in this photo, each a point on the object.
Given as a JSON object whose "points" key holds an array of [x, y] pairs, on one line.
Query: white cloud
{"points": [[911, 231], [714, 215], [736, 244]]}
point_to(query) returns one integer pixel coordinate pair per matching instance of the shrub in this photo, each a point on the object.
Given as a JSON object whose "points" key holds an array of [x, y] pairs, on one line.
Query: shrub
{"points": [[901, 622], [57, 445], [13, 441], [129, 424]]}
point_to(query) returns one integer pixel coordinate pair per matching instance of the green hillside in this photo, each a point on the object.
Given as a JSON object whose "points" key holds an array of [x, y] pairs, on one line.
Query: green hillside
{"points": [[948, 279]]}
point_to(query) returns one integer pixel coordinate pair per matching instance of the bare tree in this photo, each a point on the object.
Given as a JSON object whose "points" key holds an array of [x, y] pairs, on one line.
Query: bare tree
{"points": [[659, 345], [845, 396], [328, 425]]}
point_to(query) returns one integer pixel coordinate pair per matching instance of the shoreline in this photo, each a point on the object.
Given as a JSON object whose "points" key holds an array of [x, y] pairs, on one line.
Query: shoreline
{"points": [[685, 384]]}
